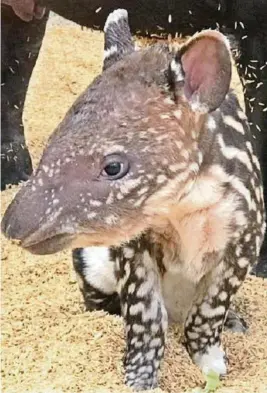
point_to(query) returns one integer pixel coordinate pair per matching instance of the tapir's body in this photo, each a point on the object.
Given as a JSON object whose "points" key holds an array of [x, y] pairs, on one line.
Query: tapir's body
{"points": [[179, 277], [155, 163], [246, 22]]}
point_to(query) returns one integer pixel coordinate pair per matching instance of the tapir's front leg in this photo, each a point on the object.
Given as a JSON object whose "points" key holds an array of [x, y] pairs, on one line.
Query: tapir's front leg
{"points": [[144, 314], [95, 272], [206, 319]]}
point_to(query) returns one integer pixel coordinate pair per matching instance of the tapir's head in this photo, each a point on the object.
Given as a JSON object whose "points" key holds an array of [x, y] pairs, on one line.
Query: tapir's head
{"points": [[127, 148]]}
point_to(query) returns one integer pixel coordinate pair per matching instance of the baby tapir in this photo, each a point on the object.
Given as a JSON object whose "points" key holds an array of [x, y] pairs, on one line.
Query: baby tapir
{"points": [[155, 163]]}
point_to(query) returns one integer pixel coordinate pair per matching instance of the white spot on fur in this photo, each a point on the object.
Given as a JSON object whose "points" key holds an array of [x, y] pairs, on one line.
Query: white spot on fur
{"points": [[198, 320], [177, 70], [110, 198], [137, 308], [211, 312], [129, 185], [223, 296], [168, 101], [95, 203], [236, 183], [236, 125], [211, 124], [164, 116], [231, 152], [140, 201], [178, 114], [142, 191], [146, 287], [155, 342], [138, 328], [98, 269], [213, 360], [234, 281], [248, 237], [91, 215], [150, 354], [213, 291], [109, 52], [241, 115], [140, 272], [243, 262], [128, 252], [131, 288], [193, 335], [111, 219], [161, 179]]}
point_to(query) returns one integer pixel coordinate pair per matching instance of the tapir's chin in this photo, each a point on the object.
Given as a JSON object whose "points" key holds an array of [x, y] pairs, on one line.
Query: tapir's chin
{"points": [[60, 242], [49, 246]]}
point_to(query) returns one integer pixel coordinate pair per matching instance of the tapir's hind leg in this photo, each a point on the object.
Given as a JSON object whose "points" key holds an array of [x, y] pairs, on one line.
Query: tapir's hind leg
{"points": [[95, 272]]}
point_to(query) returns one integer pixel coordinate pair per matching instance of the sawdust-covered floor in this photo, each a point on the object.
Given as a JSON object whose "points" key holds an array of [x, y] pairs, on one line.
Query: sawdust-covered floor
{"points": [[48, 343]]}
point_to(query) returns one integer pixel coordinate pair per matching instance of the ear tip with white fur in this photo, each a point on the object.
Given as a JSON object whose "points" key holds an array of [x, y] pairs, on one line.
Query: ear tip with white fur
{"points": [[115, 16]]}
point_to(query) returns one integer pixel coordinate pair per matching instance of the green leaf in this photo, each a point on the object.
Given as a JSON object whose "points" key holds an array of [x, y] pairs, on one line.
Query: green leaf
{"points": [[212, 381]]}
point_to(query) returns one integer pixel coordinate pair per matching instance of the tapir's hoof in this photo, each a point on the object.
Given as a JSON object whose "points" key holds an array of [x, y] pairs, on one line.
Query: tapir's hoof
{"points": [[260, 269], [235, 323], [16, 163]]}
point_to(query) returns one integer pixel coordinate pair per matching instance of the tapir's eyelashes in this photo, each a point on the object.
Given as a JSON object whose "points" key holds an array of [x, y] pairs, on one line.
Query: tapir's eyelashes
{"points": [[115, 167]]}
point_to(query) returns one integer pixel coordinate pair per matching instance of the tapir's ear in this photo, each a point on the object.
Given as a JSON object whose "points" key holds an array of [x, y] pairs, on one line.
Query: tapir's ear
{"points": [[118, 39], [202, 70]]}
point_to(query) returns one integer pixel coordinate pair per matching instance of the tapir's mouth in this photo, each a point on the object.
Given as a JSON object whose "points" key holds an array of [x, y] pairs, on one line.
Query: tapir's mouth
{"points": [[62, 241], [48, 246]]}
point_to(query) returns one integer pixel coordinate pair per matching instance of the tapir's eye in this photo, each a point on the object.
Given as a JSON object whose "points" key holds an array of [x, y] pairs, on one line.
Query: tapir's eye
{"points": [[113, 169], [115, 166]]}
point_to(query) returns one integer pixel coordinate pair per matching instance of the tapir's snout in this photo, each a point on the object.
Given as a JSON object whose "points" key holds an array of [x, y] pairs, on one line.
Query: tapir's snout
{"points": [[33, 220], [23, 215]]}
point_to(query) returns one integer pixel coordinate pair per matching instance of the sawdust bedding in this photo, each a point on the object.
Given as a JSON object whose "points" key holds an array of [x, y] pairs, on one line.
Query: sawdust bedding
{"points": [[49, 344]]}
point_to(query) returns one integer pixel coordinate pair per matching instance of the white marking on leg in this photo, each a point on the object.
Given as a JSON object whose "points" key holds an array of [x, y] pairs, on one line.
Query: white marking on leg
{"points": [[128, 252], [211, 312], [213, 360], [99, 270]]}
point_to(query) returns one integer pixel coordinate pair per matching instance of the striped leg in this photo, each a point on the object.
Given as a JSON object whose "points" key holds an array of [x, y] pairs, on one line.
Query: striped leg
{"points": [[206, 319], [144, 314], [96, 277]]}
